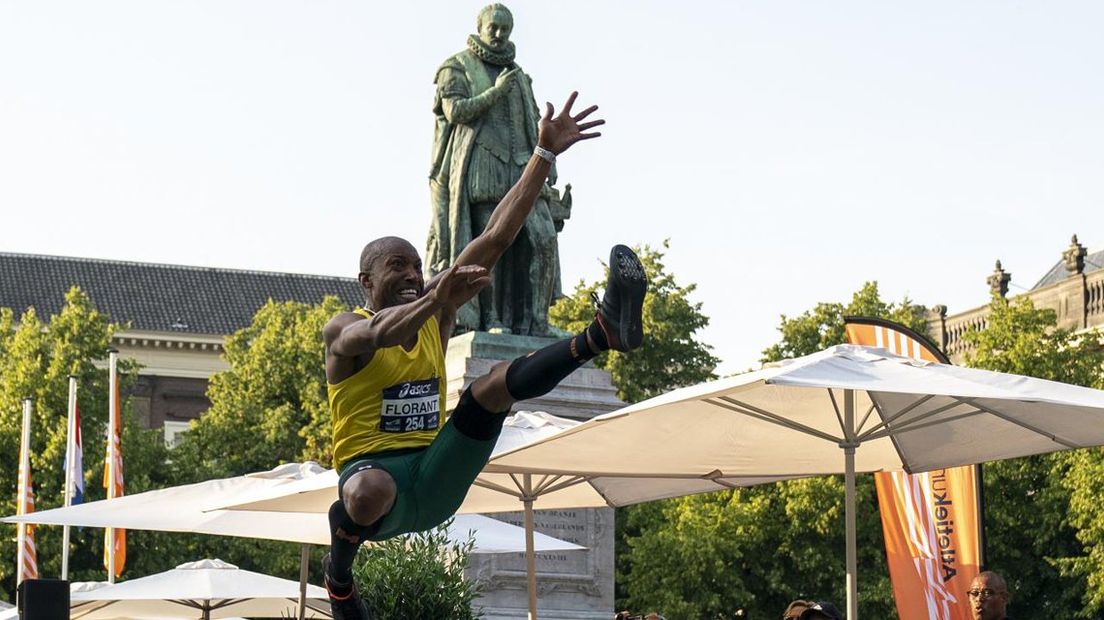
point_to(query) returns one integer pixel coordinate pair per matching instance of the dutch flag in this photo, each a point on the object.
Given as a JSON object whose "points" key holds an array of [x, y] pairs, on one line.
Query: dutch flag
{"points": [[78, 461]]}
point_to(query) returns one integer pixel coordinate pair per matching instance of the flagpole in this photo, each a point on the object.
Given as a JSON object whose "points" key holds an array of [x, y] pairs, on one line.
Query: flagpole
{"points": [[112, 425], [70, 457], [24, 468]]}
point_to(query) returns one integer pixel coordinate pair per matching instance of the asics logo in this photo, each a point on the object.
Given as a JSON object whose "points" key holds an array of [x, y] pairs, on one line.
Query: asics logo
{"points": [[415, 390]]}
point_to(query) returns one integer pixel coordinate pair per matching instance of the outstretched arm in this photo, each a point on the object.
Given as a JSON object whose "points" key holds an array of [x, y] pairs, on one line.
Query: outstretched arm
{"points": [[350, 336], [555, 134]]}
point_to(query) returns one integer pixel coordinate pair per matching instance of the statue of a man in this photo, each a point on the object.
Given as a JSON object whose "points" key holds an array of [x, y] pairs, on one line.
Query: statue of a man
{"points": [[486, 131]]}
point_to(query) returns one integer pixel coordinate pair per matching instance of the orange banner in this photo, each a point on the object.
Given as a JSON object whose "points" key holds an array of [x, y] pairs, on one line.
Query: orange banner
{"points": [[930, 520], [114, 538]]}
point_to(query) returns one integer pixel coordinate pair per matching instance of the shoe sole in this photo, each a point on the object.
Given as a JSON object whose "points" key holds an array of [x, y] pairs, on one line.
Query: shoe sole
{"points": [[627, 275]]}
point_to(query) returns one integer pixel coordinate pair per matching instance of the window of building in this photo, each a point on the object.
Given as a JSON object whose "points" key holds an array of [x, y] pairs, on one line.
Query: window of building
{"points": [[174, 432]]}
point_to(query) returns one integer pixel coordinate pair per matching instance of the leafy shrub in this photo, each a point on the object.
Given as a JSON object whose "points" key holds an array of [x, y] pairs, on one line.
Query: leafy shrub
{"points": [[418, 576]]}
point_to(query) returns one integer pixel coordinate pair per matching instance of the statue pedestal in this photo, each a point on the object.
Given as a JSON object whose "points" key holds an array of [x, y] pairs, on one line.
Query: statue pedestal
{"points": [[571, 585]]}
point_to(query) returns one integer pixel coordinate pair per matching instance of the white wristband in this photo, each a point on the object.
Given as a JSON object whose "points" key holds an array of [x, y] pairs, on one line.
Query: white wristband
{"points": [[545, 154]]}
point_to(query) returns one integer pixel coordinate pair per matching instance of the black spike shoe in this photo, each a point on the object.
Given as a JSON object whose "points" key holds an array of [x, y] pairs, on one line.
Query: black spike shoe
{"points": [[620, 313]]}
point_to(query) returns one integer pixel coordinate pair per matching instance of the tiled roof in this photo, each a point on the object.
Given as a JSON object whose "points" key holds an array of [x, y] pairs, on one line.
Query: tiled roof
{"points": [[195, 300], [1058, 272]]}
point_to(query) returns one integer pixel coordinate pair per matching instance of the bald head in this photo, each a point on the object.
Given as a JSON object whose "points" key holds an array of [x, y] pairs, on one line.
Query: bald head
{"points": [[989, 597], [991, 578], [390, 273], [378, 247]]}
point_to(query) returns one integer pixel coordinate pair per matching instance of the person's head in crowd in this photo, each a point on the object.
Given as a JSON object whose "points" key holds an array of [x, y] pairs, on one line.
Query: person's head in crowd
{"points": [[810, 610], [988, 597]]}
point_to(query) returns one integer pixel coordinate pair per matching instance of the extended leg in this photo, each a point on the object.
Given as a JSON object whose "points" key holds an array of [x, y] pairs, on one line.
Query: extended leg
{"points": [[617, 325], [461, 449]]}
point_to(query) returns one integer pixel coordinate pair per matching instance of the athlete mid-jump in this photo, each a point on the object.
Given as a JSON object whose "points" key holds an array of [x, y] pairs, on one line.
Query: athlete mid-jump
{"points": [[403, 467]]}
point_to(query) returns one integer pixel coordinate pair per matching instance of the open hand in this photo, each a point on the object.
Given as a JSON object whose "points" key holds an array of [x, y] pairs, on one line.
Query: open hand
{"points": [[559, 133], [460, 283]]}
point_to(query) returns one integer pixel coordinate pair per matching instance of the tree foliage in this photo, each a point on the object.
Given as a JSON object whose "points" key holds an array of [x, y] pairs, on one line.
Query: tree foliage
{"points": [[36, 358], [759, 548], [671, 355], [270, 406], [1043, 517], [822, 326]]}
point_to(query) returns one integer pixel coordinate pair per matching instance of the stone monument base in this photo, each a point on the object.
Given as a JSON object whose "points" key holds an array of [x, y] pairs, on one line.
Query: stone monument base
{"points": [[571, 585]]}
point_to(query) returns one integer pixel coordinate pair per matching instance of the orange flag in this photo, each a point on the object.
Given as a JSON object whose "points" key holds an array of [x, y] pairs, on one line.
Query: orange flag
{"points": [[931, 520], [26, 553], [113, 476]]}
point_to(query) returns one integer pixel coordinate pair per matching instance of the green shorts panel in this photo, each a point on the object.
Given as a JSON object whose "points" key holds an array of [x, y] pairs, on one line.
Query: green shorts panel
{"points": [[432, 481]]}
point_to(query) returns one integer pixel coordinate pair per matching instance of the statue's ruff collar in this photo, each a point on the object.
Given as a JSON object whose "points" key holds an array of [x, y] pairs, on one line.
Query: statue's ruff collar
{"points": [[486, 54]]}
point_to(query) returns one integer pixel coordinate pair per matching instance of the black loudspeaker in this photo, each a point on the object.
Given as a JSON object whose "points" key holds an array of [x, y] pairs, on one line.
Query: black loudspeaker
{"points": [[43, 599]]}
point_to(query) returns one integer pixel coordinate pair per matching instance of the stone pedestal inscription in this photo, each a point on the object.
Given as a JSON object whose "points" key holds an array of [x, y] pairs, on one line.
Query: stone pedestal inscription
{"points": [[571, 585]]}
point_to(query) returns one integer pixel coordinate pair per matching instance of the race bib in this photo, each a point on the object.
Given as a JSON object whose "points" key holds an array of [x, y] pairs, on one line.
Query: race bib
{"points": [[411, 406]]}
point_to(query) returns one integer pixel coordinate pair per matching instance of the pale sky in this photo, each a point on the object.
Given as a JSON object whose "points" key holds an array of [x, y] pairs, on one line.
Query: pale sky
{"points": [[789, 150]]}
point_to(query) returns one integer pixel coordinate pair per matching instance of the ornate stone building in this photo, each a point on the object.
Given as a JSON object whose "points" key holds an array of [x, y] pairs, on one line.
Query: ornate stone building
{"points": [[176, 317], [1073, 288]]}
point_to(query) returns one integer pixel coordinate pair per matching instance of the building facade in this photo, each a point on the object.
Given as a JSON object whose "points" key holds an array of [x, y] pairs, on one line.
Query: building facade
{"points": [[176, 317], [1073, 288]]}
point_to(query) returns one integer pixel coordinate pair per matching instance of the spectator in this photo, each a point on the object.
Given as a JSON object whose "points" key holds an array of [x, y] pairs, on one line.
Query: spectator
{"points": [[988, 597], [809, 610]]}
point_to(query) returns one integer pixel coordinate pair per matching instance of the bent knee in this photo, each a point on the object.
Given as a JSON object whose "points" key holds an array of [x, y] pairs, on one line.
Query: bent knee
{"points": [[369, 495]]}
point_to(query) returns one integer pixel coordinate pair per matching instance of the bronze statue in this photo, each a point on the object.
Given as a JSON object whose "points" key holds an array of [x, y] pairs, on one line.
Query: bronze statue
{"points": [[486, 131]]}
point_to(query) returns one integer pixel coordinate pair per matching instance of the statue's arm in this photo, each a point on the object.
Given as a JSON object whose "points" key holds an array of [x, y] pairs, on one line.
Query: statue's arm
{"points": [[554, 134], [464, 109]]}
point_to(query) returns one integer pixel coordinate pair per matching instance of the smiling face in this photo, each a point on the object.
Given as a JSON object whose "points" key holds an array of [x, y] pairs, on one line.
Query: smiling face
{"points": [[495, 25], [391, 273]]}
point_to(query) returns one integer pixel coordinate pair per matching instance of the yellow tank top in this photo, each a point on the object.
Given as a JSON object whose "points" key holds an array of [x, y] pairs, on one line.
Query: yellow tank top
{"points": [[396, 401]]}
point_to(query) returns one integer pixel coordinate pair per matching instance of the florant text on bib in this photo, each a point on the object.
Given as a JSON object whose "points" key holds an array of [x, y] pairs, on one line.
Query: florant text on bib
{"points": [[411, 406]]}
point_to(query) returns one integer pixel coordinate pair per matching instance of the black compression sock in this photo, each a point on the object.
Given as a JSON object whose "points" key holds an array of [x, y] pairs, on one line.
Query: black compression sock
{"points": [[540, 371], [597, 335], [471, 419], [346, 536]]}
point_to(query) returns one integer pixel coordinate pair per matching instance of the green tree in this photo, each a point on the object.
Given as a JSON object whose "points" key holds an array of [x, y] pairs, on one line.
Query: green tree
{"points": [[1043, 518], [671, 355], [270, 406], [36, 357], [1084, 479], [761, 547], [822, 327]]}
